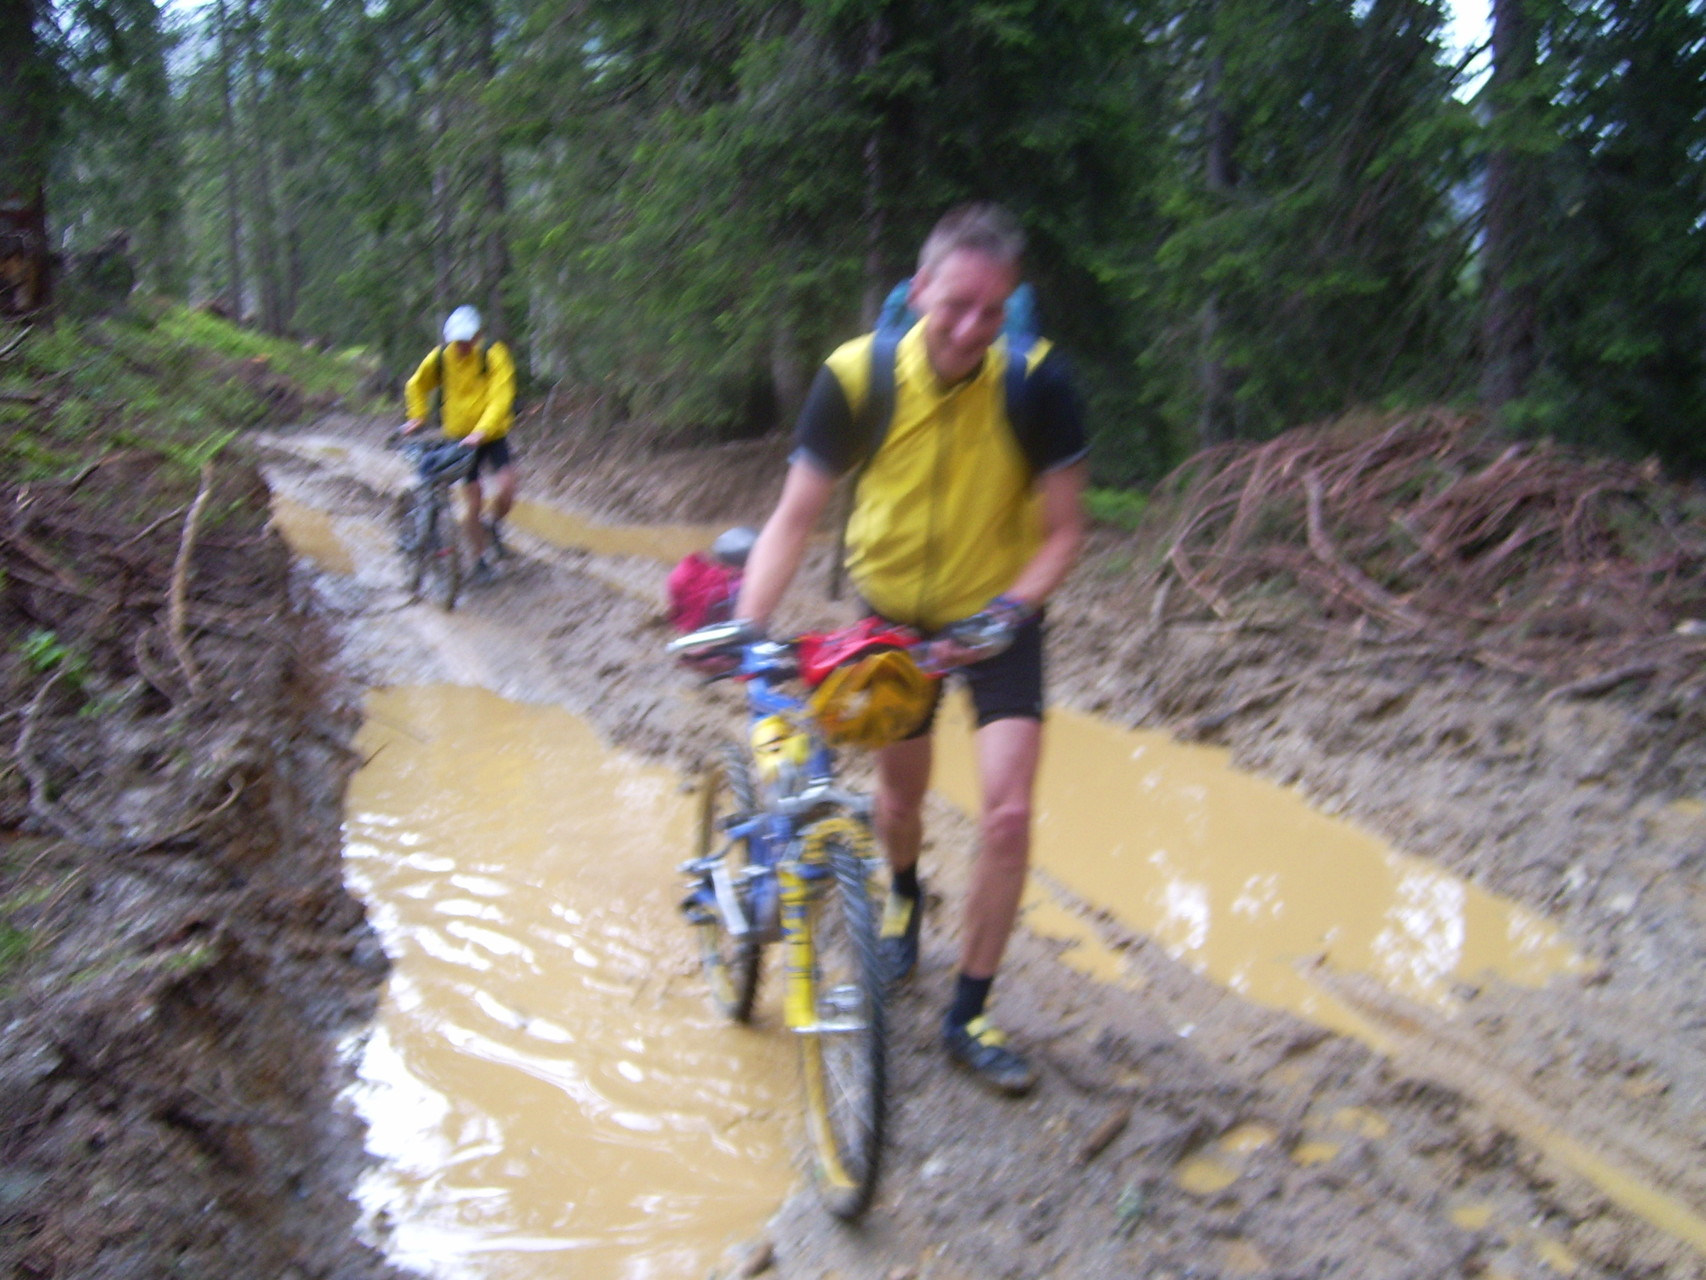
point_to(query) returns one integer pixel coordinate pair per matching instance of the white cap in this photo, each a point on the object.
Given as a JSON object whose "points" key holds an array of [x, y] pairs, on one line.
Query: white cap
{"points": [[463, 325]]}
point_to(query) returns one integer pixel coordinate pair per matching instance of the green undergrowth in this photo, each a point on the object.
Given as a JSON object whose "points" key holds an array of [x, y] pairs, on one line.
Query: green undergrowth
{"points": [[1121, 508], [161, 378]]}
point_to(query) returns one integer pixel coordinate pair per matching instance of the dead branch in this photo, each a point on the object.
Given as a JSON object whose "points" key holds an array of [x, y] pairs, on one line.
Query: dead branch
{"points": [[42, 804], [1321, 544], [1606, 681], [16, 342], [180, 582]]}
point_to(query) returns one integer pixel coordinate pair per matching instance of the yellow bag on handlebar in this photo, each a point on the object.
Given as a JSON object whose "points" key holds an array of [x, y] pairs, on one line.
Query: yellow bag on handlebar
{"points": [[873, 700]]}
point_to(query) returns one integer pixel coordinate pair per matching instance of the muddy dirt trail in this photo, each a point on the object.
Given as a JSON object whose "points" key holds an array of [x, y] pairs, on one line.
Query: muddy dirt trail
{"points": [[1496, 1124]]}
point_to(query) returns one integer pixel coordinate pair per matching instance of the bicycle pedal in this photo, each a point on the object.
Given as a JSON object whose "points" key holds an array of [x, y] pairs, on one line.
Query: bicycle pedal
{"points": [[699, 906]]}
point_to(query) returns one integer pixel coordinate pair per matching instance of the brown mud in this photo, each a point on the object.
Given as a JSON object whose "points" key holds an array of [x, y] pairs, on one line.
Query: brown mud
{"points": [[173, 1110], [180, 953], [1179, 1129]]}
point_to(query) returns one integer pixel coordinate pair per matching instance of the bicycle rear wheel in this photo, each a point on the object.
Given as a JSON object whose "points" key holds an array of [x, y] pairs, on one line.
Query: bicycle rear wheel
{"points": [[444, 556], [844, 1057], [730, 960]]}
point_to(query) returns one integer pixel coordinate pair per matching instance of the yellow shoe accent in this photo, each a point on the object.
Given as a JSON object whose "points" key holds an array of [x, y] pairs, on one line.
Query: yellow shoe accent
{"points": [[897, 915]]}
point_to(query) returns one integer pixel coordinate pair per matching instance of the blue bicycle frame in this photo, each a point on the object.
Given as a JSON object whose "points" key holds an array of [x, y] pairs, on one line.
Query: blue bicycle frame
{"points": [[795, 777]]}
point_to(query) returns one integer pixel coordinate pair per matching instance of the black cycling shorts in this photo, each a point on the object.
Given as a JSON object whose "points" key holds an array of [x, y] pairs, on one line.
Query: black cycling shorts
{"points": [[1008, 686], [489, 457]]}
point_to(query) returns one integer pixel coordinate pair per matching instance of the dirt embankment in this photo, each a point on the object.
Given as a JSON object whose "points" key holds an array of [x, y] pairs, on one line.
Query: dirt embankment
{"points": [[180, 954]]}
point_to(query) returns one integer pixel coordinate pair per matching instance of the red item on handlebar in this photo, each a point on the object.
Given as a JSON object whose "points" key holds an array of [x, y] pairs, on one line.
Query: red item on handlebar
{"points": [[821, 653]]}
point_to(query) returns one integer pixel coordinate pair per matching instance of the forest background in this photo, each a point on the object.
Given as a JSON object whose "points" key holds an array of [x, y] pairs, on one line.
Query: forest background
{"points": [[1245, 214]]}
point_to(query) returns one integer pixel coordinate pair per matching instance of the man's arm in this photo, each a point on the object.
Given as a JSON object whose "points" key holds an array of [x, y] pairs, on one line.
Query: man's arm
{"points": [[1062, 492], [500, 396], [776, 556], [420, 386]]}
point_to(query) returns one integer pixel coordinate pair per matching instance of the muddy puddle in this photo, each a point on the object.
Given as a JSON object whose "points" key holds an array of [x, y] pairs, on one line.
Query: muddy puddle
{"points": [[665, 542], [310, 532], [1247, 883], [547, 1091]]}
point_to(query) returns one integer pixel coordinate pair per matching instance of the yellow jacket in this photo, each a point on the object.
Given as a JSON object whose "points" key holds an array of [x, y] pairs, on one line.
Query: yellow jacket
{"points": [[478, 392], [945, 515]]}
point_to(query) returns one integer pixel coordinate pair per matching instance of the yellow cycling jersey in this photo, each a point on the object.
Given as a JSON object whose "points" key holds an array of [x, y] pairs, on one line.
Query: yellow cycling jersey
{"points": [[478, 392], [945, 515]]}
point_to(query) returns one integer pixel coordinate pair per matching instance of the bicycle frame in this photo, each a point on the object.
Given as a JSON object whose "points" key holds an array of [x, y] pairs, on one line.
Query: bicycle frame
{"points": [[793, 860], [785, 867]]}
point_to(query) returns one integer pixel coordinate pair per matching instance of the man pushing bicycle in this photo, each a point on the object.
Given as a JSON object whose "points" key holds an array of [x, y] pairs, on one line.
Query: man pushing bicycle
{"points": [[476, 386], [969, 449]]}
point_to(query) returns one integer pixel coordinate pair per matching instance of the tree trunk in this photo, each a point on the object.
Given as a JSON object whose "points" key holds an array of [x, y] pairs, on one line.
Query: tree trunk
{"points": [[1217, 418], [233, 198], [496, 265], [26, 117], [1510, 318], [876, 267], [265, 222]]}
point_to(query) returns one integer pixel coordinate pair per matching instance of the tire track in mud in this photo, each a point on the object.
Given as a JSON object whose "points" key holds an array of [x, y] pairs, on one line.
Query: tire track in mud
{"points": [[1447, 1183]]}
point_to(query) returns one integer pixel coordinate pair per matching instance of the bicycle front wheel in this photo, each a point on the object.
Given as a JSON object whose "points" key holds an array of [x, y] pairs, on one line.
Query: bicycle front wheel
{"points": [[844, 1055], [730, 960], [409, 516]]}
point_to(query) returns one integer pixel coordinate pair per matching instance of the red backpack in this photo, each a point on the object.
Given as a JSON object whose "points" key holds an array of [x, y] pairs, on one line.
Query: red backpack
{"points": [[701, 592]]}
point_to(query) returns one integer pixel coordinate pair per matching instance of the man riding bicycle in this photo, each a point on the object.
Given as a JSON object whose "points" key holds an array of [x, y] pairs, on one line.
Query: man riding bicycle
{"points": [[476, 386], [966, 504]]}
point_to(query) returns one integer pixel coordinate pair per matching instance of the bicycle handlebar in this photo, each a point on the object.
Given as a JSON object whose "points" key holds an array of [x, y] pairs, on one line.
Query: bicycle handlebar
{"points": [[753, 655], [437, 461]]}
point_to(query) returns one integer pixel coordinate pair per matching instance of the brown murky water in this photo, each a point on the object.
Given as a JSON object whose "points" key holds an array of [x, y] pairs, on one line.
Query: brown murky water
{"points": [[547, 1090], [665, 542], [310, 532], [1247, 883], [1241, 879]]}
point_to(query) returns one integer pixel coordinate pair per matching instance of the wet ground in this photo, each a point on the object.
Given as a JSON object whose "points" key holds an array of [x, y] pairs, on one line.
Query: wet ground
{"points": [[1272, 1045]]}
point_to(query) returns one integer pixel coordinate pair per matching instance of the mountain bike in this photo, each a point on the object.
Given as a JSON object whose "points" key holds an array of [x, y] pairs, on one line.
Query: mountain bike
{"points": [[785, 854], [428, 536]]}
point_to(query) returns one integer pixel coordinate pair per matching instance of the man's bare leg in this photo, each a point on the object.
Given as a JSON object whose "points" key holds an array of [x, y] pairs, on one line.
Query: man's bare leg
{"points": [[471, 527], [903, 776], [504, 497], [1007, 756]]}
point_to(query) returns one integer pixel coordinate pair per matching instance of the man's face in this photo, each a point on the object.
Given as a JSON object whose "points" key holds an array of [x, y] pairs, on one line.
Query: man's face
{"points": [[963, 300], [462, 348]]}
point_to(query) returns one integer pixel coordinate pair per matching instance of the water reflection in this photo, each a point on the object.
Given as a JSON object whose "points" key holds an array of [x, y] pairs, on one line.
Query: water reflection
{"points": [[547, 1091], [1245, 881]]}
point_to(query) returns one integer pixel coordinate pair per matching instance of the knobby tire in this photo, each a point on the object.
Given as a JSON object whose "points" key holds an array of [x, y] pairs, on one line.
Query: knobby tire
{"points": [[446, 553], [409, 515], [731, 963], [845, 1070]]}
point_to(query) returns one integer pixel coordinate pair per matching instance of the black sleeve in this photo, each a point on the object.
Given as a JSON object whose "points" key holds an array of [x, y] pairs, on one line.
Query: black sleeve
{"points": [[826, 433], [1051, 425]]}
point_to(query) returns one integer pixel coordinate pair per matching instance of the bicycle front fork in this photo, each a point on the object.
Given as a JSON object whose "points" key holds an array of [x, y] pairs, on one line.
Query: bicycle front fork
{"points": [[799, 962]]}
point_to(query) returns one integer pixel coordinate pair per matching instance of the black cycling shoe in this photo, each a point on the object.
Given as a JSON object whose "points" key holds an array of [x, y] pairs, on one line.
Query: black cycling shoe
{"points": [[482, 573], [981, 1049], [494, 531], [897, 945]]}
